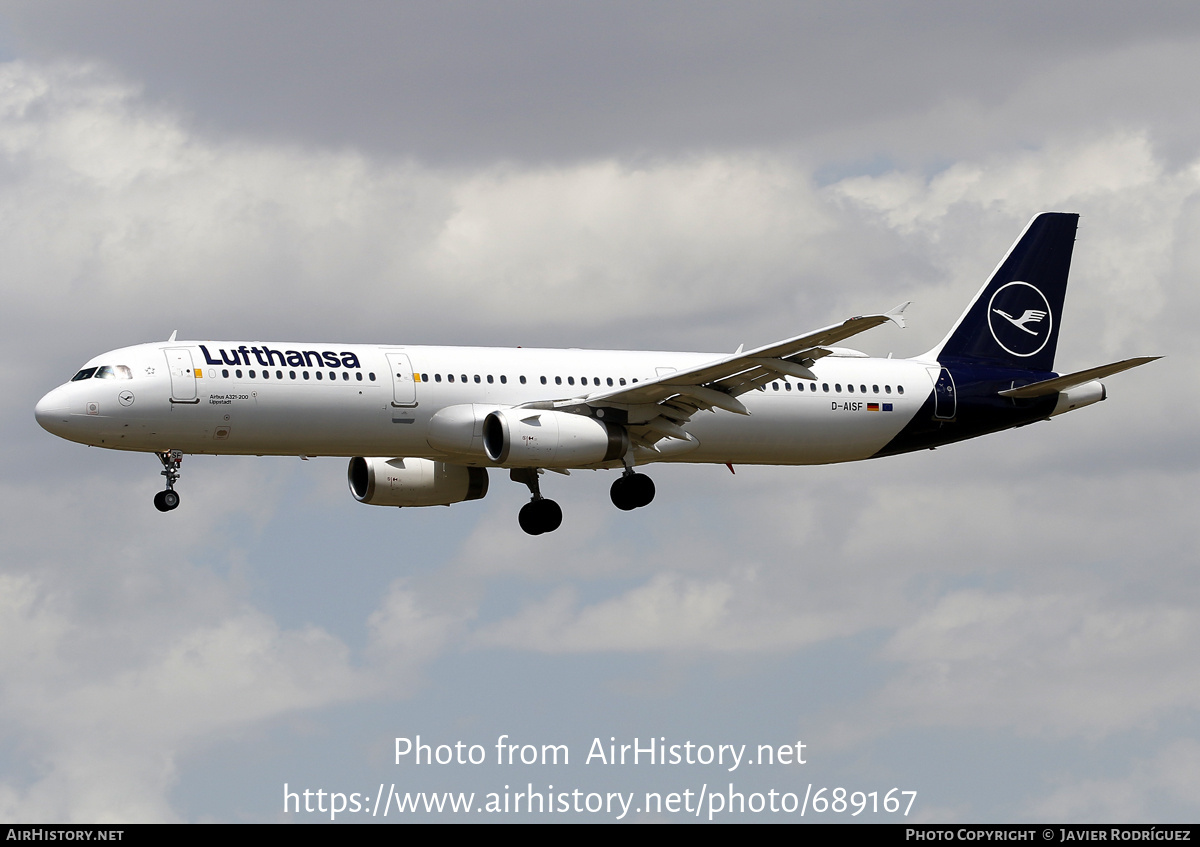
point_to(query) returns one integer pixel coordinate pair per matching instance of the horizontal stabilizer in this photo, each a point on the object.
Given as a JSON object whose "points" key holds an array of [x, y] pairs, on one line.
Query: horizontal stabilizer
{"points": [[1062, 383]]}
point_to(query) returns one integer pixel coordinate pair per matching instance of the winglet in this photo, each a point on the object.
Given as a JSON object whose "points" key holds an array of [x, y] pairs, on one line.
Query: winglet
{"points": [[896, 315], [174, 333]]}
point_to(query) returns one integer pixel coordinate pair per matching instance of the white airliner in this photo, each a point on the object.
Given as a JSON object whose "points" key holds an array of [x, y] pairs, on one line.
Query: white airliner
{"points": [[423, 425]]}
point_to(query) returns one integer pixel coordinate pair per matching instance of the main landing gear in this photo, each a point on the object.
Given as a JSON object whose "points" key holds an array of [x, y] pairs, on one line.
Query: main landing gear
{"points": [[539, 515], [632, 490], [167, 500]]}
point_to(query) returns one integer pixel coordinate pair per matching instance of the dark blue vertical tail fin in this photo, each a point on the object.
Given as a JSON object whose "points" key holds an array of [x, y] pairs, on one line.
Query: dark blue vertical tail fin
{"points": [[1013, 321]]}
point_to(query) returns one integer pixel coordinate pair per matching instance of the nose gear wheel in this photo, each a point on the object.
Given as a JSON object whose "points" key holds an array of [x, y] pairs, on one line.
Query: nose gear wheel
{"points": [[168, 499]]}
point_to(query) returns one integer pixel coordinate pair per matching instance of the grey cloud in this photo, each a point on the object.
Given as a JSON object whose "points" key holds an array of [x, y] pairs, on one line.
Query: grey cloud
{"points": [[541, 81], [1159, 781]]}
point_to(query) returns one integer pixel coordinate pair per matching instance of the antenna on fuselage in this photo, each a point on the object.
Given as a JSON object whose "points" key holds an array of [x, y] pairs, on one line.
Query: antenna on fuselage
{"points": [[174, 333]]}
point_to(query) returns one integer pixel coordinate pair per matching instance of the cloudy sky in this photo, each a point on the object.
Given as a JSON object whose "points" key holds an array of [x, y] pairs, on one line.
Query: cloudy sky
{"points": [[1006, 626]]}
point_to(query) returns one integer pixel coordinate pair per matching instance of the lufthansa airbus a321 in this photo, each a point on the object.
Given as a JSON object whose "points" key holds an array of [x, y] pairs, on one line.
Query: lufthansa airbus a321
{"points": [[423, 425]]}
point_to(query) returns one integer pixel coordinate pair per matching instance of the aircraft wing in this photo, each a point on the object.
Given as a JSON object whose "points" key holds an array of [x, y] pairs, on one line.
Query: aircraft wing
{"points": [[659, 408], [1062, 383]]}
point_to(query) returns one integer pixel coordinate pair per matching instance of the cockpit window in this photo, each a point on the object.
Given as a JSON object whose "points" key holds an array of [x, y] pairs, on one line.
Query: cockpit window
{"points": [[111, 372], [86, 373]]}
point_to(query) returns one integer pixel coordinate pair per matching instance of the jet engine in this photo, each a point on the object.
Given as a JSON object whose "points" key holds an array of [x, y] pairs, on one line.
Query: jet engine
{"points": [[413, 482], [532, 438]]}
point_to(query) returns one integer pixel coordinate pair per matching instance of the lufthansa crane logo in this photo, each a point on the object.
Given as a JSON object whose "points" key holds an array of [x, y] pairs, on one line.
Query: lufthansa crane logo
{"points": [[1020, 319]]}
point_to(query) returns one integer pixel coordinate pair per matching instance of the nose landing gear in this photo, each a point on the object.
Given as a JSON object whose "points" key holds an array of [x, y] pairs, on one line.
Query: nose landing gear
{"points": [[167, 500], [539, 515]]}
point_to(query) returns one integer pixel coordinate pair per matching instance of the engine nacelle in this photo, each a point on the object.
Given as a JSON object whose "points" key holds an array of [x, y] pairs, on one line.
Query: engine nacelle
{"points": [[459, 429], [413, 482], [533, 438]]}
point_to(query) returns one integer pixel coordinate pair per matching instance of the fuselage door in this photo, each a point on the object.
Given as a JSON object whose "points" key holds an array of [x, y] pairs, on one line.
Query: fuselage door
{"points": [[945, 398], [183, 375], [404, 384]]}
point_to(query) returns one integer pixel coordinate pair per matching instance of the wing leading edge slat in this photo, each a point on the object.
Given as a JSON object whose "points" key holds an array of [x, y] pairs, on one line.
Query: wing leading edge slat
{"points": [[743, 371]]}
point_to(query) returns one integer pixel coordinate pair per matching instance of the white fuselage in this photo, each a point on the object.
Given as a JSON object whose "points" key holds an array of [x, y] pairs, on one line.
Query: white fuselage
{"points": [[374, 400]]}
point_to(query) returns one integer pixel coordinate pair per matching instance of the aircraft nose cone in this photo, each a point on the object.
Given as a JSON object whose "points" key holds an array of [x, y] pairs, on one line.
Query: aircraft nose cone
{"points": [[51, 411]]}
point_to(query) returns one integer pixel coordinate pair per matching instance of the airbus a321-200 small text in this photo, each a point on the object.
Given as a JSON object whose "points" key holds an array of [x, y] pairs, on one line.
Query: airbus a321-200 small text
{"points": [[423, 426]]}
